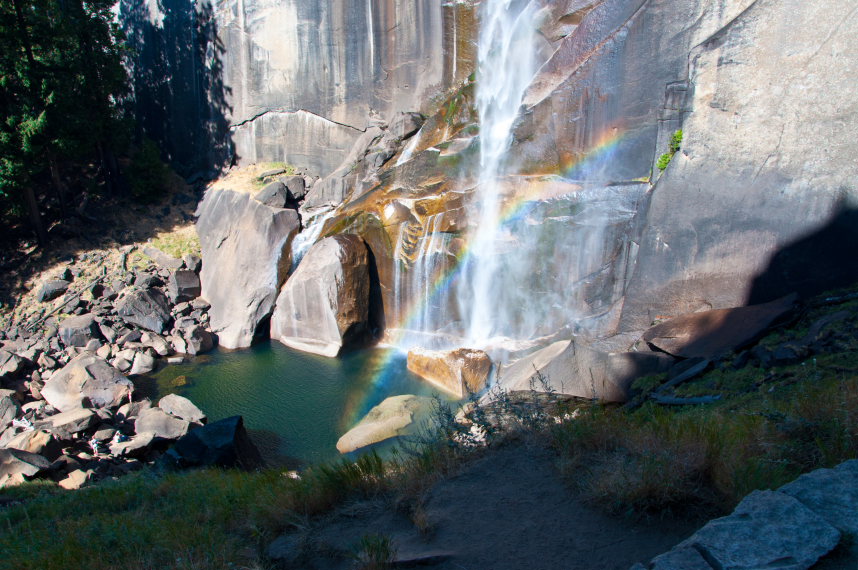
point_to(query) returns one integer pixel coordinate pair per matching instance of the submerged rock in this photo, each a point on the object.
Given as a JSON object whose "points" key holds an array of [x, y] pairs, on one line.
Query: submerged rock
{"points": [[246, 257], [324, 306], [86, 380], [461, 371], [388, 419]]}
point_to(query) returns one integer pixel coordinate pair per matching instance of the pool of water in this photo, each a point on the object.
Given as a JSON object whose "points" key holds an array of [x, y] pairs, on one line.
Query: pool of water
{"points": [[295, 405]]}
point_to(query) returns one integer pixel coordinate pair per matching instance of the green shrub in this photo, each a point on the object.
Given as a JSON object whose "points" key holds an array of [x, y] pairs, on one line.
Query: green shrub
{"points": [[150, 177], [674, 146]]}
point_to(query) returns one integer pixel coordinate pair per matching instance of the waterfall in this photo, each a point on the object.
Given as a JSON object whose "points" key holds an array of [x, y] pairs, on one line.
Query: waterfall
{"points": [[506, 65], [314, 221]]}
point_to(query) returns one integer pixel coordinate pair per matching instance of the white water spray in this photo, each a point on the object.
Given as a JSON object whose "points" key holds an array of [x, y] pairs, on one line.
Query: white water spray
{"points": [[506, 66]]}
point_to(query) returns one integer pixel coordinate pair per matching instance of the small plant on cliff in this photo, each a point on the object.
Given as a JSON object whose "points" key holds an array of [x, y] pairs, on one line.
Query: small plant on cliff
{"points": [[674, 146], [374, 552]]}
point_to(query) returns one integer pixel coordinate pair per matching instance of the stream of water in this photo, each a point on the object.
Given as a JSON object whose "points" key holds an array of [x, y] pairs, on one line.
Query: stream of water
{"points": [[295, 405]]}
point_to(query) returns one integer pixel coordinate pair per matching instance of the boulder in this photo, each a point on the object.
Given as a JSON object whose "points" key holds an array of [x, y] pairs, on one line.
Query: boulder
{"points": [[679, 559], [86, 380], [161, 258], [246, 257], [192, 262], [711, 333], [223, 443], [143, 363], [460, 372], [8, 410], [296, 188], [830, 493], [324, 306], [574, 369], [137, 446], [157, 343], [78, 330], [75, 480], [766, 530], [388, 419], [52, 289], [65, 424], [181, 408], [273, 195], [146, 308], [160, 424], [183, 285], [404, 125], [17, 466], [39, 442], [10, 363], [198, 340]]}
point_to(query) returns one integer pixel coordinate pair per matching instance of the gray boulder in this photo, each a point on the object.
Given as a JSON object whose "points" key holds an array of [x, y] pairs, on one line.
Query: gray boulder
{"points": [[246, 257], [198, 340], [324, 305], [146, 308], [10, 363], [390, 418], [574, 369], [8, 411], [273, 195], [143, 363], [404, 125], [65, 424], [182, 408], [162, 259], [37, 441], [161, 424], [767, 530], [86, 380], [78, 330], [52, 289], [17, 466], [830, 493], [296, 188], [137, 446], [183, 285]]}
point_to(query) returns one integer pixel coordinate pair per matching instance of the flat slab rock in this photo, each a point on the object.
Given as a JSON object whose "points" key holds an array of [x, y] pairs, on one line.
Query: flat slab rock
{"points": [[386, 420], [767, 529], [710, 333]]}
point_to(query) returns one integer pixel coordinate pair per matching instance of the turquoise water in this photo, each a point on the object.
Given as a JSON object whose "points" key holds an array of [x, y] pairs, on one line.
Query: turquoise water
{"points": [[295, 405]]}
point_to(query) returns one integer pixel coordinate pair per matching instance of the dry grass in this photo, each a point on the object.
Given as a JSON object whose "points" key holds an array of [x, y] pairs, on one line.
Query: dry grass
{"points": [[246, 179]]}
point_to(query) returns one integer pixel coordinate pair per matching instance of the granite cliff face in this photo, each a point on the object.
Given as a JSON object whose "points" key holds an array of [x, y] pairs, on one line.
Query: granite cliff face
{"points": [[288, 80], [756, 204]]}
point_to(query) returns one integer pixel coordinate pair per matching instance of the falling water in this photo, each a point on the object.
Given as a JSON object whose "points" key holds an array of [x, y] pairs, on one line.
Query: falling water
{"points": [[313, 223], [506, 65]]}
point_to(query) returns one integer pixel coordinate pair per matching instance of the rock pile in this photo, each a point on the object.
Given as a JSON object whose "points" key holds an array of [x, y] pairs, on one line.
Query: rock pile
{"points": [[67, 410]]}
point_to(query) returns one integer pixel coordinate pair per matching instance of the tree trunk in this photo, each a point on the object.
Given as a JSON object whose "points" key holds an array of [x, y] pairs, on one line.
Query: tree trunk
{"points": [[35, 215], [59, 186]]}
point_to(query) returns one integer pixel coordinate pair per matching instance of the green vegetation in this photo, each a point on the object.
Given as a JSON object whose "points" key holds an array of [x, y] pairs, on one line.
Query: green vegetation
{"points": [[289, 170], [149, 175], [642, 459], [61, 77], [674, 146]]}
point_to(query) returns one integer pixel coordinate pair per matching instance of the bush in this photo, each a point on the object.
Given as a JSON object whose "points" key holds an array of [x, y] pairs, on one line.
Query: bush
{"points": [[674, 146], [150, 177]]}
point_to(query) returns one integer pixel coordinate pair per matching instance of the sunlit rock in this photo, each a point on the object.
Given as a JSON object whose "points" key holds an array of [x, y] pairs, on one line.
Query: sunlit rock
{"points": [[573, 369], [86, 380], [386, 420], [325, 304], [246, 256], [460, 372]]}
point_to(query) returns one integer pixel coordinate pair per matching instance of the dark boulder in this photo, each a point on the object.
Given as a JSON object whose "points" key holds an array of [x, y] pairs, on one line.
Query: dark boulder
{"points": [[52, 289], [78, 330], [295, 186], [710, 333], [224, 443], [183, 285], [273, 195], [146, 308]]}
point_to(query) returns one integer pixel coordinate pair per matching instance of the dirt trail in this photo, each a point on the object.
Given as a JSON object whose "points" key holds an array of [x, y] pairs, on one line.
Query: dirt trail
{"points": [[507, 510]]}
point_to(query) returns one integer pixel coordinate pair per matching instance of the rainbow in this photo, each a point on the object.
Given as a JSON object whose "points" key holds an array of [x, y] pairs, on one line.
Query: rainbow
{"points": [[537, 190]]}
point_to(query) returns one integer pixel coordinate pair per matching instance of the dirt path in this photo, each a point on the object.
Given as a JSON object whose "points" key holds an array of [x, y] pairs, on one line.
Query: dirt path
{"points": [[507, 510]]}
